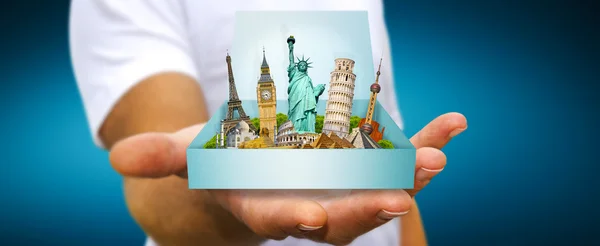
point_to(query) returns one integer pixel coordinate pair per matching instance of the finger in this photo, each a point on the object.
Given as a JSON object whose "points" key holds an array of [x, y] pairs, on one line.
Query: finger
{"points": [[153, 155], [377, 206], [429, 163], [438, 132], [360, 212], [271, 215]]}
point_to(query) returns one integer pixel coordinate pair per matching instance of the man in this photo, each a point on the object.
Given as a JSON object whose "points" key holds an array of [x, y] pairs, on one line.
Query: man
{"points": [[150, 74]]}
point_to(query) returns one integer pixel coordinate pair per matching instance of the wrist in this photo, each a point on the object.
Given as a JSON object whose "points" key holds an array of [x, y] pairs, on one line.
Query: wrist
{"points": [[171, 214]]}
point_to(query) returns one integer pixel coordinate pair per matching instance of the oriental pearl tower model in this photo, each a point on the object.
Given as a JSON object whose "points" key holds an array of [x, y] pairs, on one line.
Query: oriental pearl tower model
{"points": [[367, 124]]}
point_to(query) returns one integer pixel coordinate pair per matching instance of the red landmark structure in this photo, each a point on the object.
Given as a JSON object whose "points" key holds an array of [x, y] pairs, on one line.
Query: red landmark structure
{"points": [[368, 125]]}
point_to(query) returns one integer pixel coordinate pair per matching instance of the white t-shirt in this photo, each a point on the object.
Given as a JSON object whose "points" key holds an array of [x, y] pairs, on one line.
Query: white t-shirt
{"points": [[116, 44]]}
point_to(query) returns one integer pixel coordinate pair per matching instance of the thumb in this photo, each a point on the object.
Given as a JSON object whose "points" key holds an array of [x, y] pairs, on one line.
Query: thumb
{"points": [[153, 155]]}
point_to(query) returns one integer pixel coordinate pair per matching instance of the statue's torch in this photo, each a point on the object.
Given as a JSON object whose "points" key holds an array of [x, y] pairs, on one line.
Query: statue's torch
{"points": [[291, 39]]}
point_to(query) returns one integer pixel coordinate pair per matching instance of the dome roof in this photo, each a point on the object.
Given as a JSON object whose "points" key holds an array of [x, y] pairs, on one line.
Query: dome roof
{"points": [[242, 126]]}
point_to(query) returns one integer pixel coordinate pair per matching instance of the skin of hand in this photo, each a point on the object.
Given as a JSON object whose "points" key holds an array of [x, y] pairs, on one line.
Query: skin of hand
{"points": [[149, 151]]}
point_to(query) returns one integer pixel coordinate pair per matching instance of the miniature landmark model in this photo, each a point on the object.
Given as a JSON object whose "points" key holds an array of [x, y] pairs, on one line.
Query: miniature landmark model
{"points": [[331, 141], [273, 135], [288, 137], [341, 94], [298, 132], [367, 124], [302, 96], [267, 101], [234, 105], [361, 139], [239, 135]]}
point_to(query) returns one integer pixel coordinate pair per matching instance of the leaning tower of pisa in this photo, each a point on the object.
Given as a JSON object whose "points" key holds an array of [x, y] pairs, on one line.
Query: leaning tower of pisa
{"points": [[339, 103]]}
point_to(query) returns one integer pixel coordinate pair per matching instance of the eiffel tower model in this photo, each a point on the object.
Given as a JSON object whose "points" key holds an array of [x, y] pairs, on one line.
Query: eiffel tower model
{"points": [[235, 111]]}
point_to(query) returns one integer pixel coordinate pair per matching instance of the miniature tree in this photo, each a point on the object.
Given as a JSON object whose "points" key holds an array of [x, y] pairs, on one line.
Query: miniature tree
{"points": [[255, 122], [281, 118], [212, 143], [354, 120], [386, 144], [319, 123]]}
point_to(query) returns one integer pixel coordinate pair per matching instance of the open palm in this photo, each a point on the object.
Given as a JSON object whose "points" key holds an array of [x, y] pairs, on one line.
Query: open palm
{"points": [[277, 214]]}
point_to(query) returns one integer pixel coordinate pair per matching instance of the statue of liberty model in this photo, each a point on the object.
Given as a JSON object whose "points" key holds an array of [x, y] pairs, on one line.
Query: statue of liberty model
{"points": [[302, 96]]}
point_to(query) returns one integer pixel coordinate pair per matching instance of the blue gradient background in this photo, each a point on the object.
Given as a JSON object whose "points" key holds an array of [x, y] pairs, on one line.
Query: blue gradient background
{"points": [[525, 73]]}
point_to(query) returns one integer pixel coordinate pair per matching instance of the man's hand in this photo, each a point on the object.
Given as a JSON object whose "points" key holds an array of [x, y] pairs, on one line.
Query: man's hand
{"points": [[430, 161], [429, 142], [340, 221]]}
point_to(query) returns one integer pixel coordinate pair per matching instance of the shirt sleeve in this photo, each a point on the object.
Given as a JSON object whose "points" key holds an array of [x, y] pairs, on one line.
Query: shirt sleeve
{"points": [[116, 44]]}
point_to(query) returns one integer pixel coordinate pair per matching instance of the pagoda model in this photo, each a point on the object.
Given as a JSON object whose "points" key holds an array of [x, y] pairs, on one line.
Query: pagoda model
{"points": [[370, 126], [234, 105]]}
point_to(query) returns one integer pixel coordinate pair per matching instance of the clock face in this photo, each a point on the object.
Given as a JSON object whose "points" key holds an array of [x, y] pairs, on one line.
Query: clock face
{"points": [[265, 94]]}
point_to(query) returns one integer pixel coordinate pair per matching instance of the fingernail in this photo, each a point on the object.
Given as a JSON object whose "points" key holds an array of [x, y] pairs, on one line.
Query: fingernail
{"points": [[456, 132], [426, 173], [432, 170], [304, 227], [387, 215]]}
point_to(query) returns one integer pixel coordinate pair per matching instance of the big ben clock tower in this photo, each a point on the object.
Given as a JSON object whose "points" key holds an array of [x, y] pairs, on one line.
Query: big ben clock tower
{"points": [[267, 101]]}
